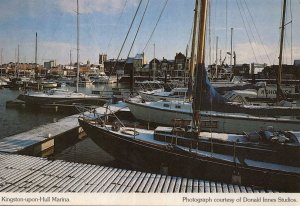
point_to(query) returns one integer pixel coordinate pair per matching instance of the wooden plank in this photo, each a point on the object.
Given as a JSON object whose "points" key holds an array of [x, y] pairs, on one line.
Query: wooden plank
{"points": [[230, 188], [183, 185], [172, 185], [243, 189], [201, 186], [74, 180], [207, 186], [189, 188], [115, 183], [155, 183], [195, 186], [143, 183], [111, 180], [225, 188], [95, 185], [161, 183], [126, 183], [237, 189], [166, 184], [135, 182], [84, 176], [108, 180], [149, 183], [219, 188], [213, 188], [177, 185]]}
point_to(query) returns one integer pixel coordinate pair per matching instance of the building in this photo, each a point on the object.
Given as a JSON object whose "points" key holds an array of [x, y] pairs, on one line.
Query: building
{"points": [[138, 62], [122, 66], [241, 70], [102, 59], [50, 64], [180, 65]]}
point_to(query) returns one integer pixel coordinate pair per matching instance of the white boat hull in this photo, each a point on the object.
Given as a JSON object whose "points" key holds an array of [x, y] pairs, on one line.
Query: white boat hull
{"points": [[213, 121]]}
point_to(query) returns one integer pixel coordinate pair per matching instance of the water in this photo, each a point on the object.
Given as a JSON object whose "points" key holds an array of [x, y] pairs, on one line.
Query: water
{"points": [[13, 121], [16, 120]]}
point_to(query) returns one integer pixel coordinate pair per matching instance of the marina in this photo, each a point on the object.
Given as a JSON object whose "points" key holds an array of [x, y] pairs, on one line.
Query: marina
{"points": [[158, 110], [36, 172]]}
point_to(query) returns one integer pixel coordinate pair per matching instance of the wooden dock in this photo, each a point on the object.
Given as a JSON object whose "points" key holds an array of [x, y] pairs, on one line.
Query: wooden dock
{"points": [[20, 173], [42, 138]]}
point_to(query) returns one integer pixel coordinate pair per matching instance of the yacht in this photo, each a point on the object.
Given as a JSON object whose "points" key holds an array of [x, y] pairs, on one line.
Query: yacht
{"points": [[99, 78], [165, 112], [59, 96]]}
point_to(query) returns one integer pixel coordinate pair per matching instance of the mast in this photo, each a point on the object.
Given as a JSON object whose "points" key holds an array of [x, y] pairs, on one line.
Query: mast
{"points": [[1, 60], [200, 64], [18, 61], [192, 62], [280, 53], [154, 63], [231, 35], [231, 55], [78, 67], [217, 40], [70, 58], [35, 57]]}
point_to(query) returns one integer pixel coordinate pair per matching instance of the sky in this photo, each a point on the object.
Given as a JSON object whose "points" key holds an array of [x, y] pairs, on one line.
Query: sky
{"points": [[104, 24]]}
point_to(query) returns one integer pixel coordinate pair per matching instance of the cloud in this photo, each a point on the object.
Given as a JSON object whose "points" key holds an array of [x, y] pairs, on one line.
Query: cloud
{"points": [[12, 8], [90, 6]]}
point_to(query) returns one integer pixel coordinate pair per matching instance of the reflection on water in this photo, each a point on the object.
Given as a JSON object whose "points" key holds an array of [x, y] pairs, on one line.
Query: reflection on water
{"points": [[13, 121]]}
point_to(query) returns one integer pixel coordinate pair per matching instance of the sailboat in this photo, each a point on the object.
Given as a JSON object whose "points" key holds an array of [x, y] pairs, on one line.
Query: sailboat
{"points": [[268, 159], [62, 96], [218, 113]]}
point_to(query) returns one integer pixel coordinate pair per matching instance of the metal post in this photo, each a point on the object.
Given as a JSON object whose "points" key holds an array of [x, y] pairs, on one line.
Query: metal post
{"points": [[280, 53]]}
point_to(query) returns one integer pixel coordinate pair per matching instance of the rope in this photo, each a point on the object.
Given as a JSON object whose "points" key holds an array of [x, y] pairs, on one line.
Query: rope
{"points": [[155, 25], [137, 31], [109, 42], [257, 31], [126, 38], [249, 26], [246, 30]]}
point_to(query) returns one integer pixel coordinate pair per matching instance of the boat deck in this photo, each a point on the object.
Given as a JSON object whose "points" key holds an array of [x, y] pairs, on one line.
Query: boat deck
{"points": [[19, 173]]}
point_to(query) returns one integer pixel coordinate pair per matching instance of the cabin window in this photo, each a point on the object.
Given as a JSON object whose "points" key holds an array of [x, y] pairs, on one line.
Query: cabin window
{"points": [[166, 105], [177, 106]]}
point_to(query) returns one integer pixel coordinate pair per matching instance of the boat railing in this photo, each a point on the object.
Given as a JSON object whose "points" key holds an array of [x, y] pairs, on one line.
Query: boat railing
{"points": [[84, 109], [90, 113]]}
